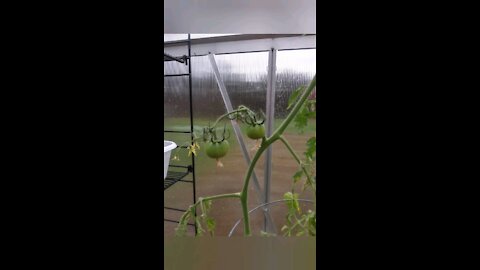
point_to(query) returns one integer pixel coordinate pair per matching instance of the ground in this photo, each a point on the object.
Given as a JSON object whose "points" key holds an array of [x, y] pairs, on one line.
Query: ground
{"points": [[211, 180]]}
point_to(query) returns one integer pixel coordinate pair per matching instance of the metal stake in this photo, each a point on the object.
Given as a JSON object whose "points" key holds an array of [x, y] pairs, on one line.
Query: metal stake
{"points": [[269, 122]]}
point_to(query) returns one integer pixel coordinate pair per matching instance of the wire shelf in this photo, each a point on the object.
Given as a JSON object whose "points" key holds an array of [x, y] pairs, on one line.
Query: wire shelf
{"points": [[176, 176], [172, 178]]}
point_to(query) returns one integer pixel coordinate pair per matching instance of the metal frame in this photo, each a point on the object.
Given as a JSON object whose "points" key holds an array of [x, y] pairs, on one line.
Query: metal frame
{"points": [[191, 120], [270, 120], [261, 44], [229, 38], [190, 169]]}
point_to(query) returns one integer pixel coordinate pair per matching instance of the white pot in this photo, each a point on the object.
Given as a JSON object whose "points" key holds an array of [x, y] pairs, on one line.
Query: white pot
{"points": [[168, 146]]}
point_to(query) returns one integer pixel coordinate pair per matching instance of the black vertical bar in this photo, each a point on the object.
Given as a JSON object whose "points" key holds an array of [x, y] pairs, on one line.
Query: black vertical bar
{"points": [[191, 120]]}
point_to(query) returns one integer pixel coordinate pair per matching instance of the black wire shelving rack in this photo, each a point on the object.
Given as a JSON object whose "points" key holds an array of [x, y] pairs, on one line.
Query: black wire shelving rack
{"points": [[177, 173]]}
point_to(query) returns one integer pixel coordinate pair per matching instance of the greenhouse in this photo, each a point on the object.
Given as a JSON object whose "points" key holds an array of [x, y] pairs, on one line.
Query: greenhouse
{"points": [[226, 98]]}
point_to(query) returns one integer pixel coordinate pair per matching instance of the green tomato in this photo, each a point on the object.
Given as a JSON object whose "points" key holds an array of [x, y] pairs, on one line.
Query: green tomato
{"points": [[217, 150], [256, 132]]}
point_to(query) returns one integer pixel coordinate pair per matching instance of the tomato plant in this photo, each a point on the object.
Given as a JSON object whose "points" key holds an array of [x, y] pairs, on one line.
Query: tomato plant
{"points": [[302, 106]]}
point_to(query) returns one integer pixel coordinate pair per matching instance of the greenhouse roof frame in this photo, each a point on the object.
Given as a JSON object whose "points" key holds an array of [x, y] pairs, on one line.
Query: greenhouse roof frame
{"points": [[231, 37], [242, 44]]}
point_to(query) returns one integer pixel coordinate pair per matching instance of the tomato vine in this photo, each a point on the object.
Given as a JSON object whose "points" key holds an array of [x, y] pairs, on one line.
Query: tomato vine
{"points": [[302, 106]]}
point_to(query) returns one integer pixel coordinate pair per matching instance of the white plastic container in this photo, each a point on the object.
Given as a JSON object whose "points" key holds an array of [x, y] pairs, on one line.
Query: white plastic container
{"points": [[168, 146]]}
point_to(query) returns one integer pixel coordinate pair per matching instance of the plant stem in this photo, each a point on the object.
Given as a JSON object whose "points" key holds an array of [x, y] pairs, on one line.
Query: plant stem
{"points": [[227, 114], [297, 158], [244, 193], [229, 195], [267, 142], [210, 198]]}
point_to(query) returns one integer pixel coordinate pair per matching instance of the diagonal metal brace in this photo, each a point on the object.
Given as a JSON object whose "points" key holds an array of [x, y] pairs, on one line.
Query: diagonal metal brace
{"points": [[238, 134]]}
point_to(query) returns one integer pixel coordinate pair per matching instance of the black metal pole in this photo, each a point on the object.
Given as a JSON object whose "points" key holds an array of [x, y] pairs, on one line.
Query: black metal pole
{"points": [[191, 120]]}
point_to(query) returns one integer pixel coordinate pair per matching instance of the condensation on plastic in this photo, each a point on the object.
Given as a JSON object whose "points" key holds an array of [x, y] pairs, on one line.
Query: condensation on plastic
{"points": [[294, 68], [176, 98], [245, 77]]}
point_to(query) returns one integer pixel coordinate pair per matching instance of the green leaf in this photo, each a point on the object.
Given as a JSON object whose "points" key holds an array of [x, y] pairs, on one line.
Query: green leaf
{"points": [[311, 115], [312, 223], [296, 93], [311, 147], [297, 176], [291, 213], [208, 205], [301, 119], [311, 105], [292, 201], [180, 231], [210, 224], [200, 229], [288, 196]]}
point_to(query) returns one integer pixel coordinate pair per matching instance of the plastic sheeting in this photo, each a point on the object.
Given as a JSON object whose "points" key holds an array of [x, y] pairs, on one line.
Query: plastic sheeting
{"points": [[294, 68]]}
